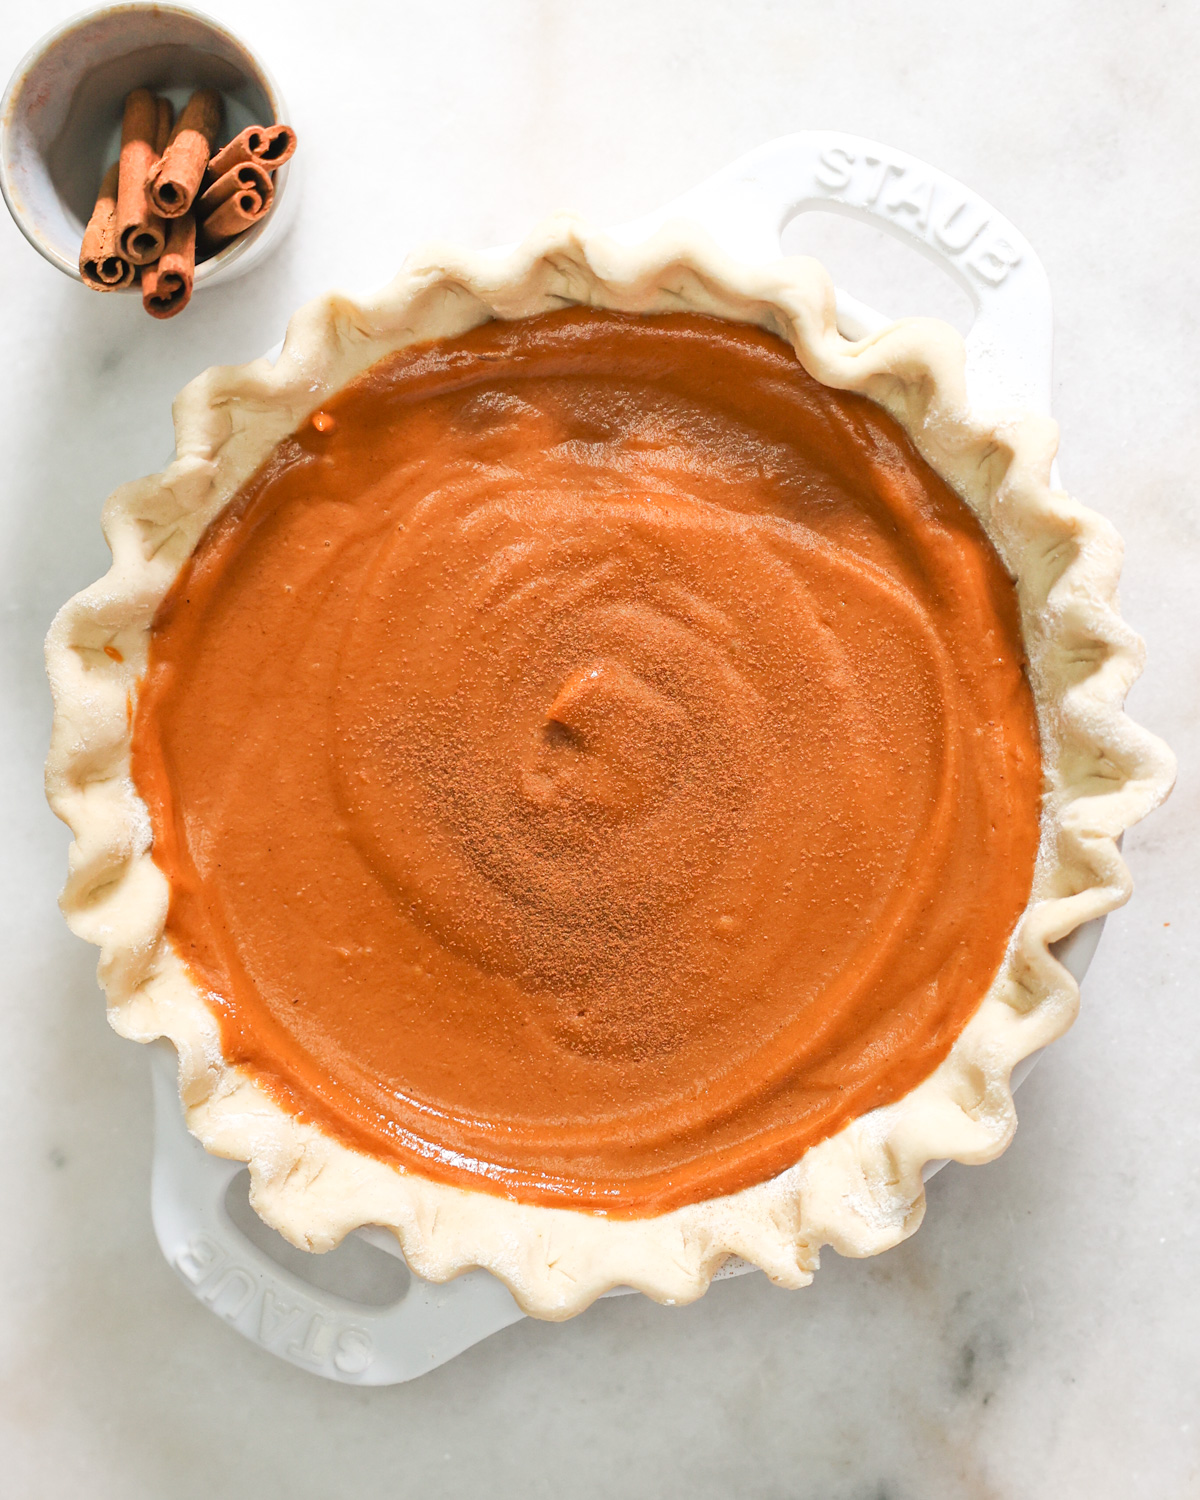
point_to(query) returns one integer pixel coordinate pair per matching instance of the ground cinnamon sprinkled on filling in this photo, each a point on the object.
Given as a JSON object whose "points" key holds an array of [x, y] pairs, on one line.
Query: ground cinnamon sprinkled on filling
{"points": [[594, 764]]}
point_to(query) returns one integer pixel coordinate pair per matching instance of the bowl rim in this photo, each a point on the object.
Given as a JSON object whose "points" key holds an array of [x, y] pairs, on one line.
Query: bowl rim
{"points": [[205, 269]]}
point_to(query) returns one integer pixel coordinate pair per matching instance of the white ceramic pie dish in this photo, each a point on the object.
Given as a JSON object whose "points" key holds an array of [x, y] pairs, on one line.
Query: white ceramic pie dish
{"points": [[724, 264]]}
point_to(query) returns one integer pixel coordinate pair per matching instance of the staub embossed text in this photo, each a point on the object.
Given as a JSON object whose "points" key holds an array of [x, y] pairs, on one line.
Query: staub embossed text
{"points": [[957, 223]]}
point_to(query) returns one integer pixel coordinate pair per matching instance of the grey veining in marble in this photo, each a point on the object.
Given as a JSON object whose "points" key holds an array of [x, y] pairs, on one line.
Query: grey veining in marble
{"points": [[1039, 1336]]}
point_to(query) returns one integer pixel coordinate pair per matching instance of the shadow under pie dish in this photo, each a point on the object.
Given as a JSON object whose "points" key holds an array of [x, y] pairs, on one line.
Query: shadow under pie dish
{"points": [[585, 763]]}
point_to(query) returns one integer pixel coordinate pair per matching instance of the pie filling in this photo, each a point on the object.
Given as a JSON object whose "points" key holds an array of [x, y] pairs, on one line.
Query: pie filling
{"points": [[592, 762]]}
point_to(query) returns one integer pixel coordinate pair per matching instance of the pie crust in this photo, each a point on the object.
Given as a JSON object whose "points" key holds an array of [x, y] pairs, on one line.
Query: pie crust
{"points": [[861, 1190]]}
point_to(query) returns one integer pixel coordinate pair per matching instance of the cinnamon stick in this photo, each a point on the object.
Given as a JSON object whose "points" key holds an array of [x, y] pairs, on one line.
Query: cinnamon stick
{"points": [[165, 113], [233, 204], [175, 179], [140, 232], [248, 178], [100, 264], [270, 146], [231, 218], [167, 284]]}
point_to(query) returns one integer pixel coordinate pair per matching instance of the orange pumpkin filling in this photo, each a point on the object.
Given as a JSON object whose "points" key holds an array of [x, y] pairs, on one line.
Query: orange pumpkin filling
{"points": [[593, 764]]}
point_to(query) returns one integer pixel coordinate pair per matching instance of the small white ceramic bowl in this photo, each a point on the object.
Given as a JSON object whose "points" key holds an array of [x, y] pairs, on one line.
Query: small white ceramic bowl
{"points": [[60, 122]]}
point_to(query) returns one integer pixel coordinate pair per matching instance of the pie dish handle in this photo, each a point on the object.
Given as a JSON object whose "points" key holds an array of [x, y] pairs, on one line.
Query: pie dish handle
{"points": [[343, 1340], [747, 206]]}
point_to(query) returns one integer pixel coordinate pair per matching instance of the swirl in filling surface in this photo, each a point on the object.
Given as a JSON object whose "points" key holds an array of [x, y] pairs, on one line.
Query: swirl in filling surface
{"points": [[597, 766]]}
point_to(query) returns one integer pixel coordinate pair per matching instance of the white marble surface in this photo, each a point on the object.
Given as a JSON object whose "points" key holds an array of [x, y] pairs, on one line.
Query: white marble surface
{"points": [[1039, 1337]]}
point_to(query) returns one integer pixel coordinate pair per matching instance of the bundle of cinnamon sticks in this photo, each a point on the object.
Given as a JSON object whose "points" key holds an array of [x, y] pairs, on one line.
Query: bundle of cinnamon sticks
{"points": [[169, 200]]}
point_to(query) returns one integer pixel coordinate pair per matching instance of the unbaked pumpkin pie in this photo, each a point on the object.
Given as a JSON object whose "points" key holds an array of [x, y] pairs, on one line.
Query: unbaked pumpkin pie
{"points": [[586, 764]]}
